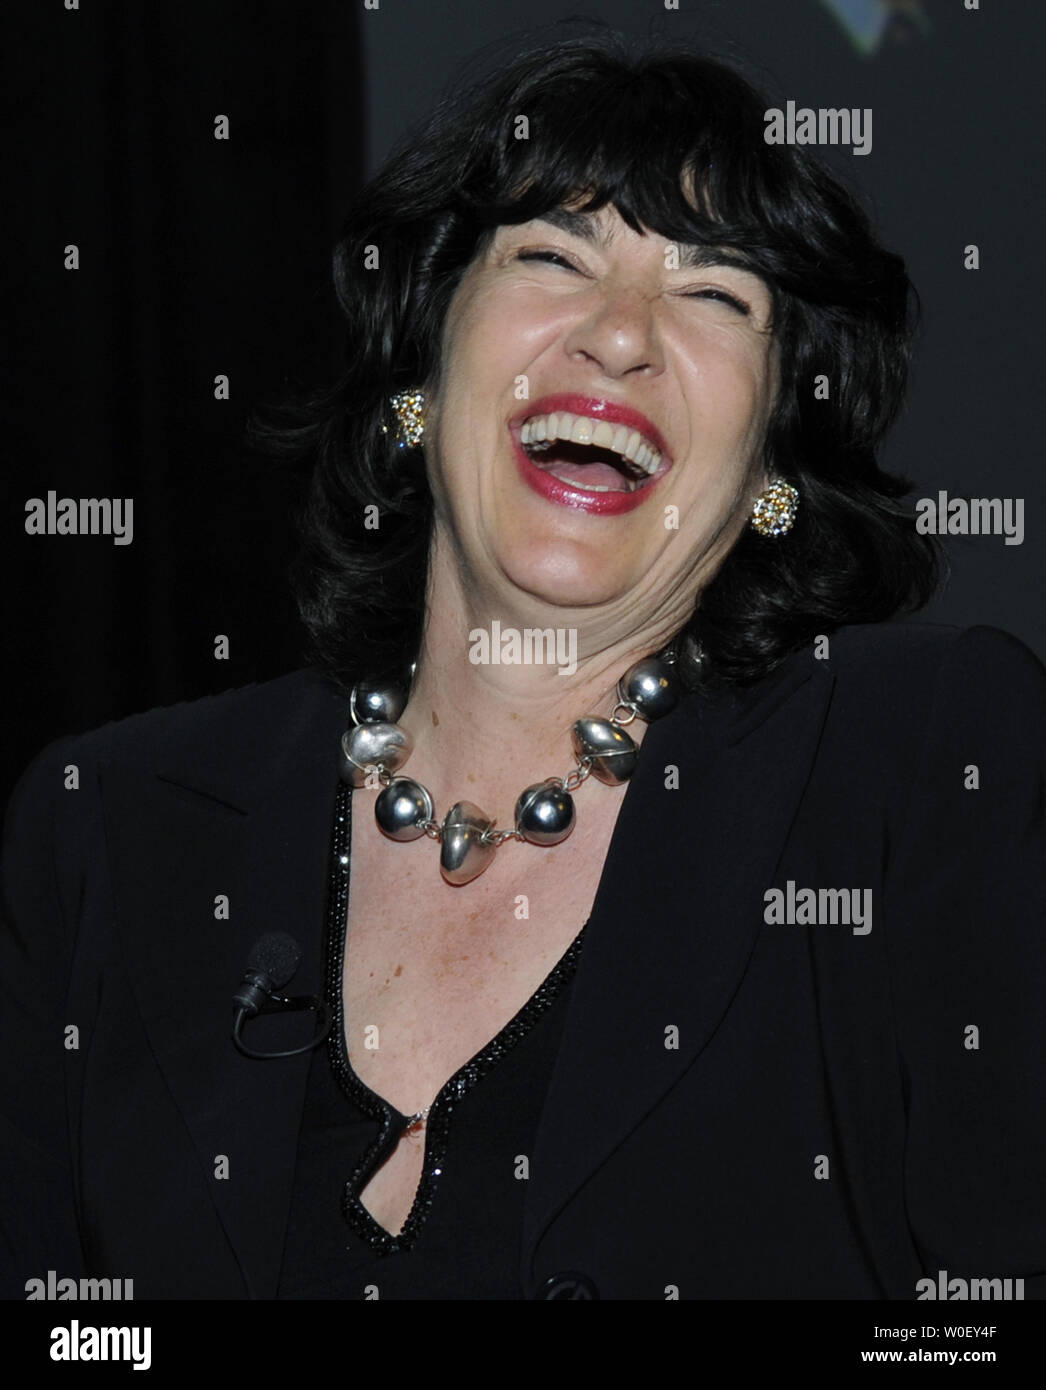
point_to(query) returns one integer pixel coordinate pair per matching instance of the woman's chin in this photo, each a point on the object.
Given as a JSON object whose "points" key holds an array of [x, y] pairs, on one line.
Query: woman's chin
{"points": [[558, 576]]}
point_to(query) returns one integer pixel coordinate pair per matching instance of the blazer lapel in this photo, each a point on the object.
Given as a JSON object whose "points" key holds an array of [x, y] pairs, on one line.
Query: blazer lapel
{"points": [[253, 825], [675, 917]]}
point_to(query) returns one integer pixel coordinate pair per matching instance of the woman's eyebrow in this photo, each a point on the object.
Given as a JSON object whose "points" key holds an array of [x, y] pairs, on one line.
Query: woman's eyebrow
{"points": [[692, 256], [579, 224]]}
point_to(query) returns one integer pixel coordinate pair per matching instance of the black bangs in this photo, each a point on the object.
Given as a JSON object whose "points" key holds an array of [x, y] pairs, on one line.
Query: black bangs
{"points": [[674, 141], [675, 148]]}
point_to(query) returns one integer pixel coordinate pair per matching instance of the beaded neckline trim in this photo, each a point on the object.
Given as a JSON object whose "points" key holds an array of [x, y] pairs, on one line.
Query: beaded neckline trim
{"points": [[463, 1080]]}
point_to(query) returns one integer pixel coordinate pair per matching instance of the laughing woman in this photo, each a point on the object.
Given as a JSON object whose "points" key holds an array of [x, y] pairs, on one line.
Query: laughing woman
{"points": [[707, 963]]}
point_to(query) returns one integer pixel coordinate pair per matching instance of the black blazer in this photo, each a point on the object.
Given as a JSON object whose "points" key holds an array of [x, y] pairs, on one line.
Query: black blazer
{"points": [[827, 1127]]}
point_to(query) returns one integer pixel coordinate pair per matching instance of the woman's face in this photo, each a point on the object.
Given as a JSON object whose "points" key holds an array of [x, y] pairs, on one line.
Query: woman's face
{"points": [[579, 316]]}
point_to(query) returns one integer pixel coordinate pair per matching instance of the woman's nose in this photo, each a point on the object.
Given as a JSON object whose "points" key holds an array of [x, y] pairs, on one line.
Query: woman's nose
{"points": [[619, 335]]}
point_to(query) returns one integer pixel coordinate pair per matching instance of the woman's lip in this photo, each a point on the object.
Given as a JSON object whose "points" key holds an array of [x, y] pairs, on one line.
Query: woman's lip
{"points": [[555, 490], [611, 411]]}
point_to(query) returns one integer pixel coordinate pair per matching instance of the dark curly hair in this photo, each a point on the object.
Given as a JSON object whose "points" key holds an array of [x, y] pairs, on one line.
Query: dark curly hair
{"points": [[628, 129]]}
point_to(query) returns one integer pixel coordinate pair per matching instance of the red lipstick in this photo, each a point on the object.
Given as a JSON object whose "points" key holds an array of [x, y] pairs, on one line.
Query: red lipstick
{"points": [[580, 499]]}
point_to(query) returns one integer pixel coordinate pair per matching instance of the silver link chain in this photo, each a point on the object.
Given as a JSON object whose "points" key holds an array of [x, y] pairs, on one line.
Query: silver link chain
{"points": [[577, 775], [498, 837]]}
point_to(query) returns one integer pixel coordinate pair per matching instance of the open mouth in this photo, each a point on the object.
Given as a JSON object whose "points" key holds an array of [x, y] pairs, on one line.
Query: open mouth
{"points": [[593, 455]]}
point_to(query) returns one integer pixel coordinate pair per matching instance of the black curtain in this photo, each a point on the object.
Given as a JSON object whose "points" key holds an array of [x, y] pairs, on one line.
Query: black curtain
{"points": [[199, 258]]}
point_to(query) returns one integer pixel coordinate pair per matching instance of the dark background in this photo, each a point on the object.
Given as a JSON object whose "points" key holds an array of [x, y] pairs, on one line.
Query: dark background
{"points": [[201, 257]]}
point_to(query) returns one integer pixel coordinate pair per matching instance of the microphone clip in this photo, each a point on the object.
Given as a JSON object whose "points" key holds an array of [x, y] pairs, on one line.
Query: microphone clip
{"points": [[280, 1004]]}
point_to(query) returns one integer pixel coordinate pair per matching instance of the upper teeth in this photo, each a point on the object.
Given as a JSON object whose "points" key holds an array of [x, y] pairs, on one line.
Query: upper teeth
{"points": [[581, 429]]}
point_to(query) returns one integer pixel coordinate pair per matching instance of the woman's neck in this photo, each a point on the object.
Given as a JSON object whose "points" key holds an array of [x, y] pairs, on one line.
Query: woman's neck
{"points": [[498, 686]]}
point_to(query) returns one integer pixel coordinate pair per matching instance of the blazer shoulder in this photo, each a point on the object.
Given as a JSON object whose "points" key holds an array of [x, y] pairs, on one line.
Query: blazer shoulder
{"points": [[224, 729], [934, 657], [896, 688]]}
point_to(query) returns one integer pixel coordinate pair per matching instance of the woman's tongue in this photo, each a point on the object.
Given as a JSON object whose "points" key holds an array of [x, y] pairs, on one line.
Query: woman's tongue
{"points": [[588, 475]]}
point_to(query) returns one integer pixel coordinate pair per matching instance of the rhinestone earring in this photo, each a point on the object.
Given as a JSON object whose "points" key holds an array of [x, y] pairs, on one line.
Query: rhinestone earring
{"points": [[408, 407], [773, 511]]}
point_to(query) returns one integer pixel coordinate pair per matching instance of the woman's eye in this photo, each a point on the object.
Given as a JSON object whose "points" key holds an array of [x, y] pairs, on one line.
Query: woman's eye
{"points": [[722, 296], [552, 257], [555, 258]]}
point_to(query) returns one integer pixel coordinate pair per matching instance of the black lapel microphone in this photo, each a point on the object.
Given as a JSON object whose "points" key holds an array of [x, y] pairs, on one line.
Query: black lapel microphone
{"points": [[272, 963]]}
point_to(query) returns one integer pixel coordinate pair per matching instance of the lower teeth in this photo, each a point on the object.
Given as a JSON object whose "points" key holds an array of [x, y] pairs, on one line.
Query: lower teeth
{"points": [[587, 487]]}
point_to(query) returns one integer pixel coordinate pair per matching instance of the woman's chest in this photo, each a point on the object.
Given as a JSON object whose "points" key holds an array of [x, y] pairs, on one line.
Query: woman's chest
{"points": [[431, 973]]}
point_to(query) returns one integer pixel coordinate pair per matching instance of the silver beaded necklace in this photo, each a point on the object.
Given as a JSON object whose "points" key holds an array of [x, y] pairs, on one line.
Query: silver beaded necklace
{"points": [[376, 746]]}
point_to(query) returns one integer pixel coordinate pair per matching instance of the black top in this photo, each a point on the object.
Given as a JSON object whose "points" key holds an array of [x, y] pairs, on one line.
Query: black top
{"points": [[740, 1109], [462, 1236]]}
